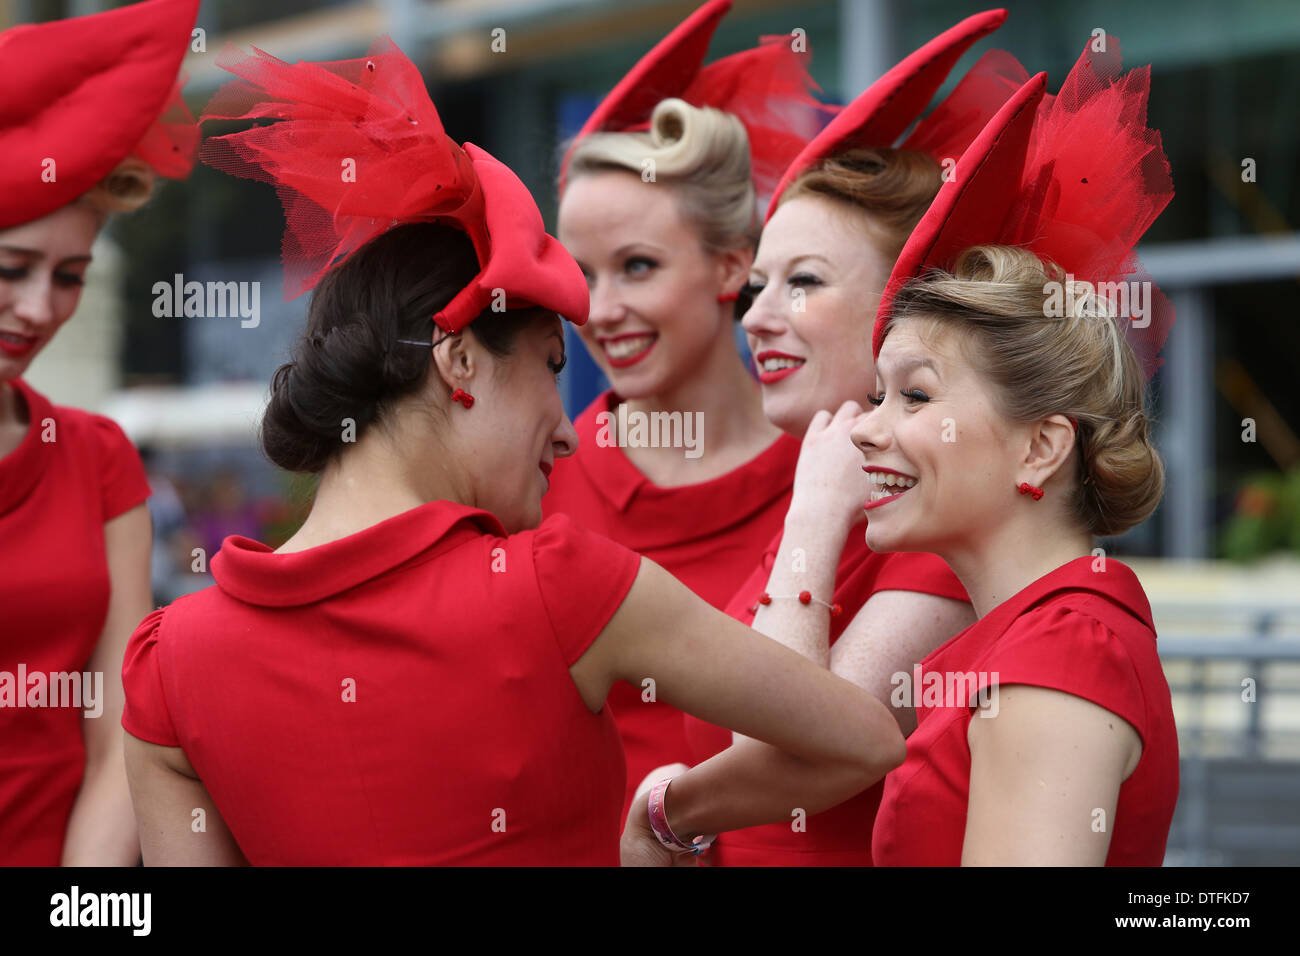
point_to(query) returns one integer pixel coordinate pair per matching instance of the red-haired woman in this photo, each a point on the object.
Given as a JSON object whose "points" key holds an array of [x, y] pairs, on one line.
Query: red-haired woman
{"points": [[844, 211]]}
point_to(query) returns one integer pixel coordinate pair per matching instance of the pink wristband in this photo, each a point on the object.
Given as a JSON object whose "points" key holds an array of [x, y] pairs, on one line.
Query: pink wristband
{"points": [[664, 833]]}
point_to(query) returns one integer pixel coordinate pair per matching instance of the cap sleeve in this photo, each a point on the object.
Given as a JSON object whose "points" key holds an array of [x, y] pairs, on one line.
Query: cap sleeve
{"points": [[1067, 649], [123, 484], [145, 713], [924, 573], [583, 578]]}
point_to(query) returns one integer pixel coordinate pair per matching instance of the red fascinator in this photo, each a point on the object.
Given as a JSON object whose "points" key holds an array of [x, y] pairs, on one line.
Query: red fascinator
{"points": [[767, 88], [359, 148], [81, 95], [1038, 177], [882, 112]]}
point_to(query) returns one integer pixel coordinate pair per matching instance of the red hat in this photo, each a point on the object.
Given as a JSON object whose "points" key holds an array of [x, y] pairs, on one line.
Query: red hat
{"points": [[883, 111], [81, 95], [766, 88], [1036, 178], [360, 148]]}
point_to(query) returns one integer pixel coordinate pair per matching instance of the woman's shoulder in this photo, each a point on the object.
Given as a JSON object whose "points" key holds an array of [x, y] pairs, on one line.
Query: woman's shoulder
{"points": [[1083, 644], [81, 430]]}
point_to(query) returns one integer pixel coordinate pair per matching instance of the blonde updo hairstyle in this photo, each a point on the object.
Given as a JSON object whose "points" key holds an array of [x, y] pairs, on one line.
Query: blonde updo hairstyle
{"points": [[1079, 365], [702, 153], [893, 186], [128, 187]]}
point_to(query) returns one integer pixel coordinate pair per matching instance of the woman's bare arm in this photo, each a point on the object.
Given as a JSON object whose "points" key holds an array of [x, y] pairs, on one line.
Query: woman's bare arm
{"points": [[823, 739], [1044, 779], [101, 828], [179, 824]]}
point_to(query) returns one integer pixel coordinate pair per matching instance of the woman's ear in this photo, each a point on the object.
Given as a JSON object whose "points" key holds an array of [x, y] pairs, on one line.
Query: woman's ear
{"points": [[1050, 442], [455, 361], [733, 268]]}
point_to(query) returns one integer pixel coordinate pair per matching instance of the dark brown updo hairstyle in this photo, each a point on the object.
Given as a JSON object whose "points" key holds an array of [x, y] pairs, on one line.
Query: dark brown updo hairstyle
{"points": [[349, 364]]}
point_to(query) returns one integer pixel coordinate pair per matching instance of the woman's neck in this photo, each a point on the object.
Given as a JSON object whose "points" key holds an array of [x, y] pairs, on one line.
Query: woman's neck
{"points": [[726, 404], [998, 564], [369, 484]]}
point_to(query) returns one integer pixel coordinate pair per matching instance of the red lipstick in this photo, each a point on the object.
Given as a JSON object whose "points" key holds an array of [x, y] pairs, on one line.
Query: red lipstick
{"points": [[770, 378]]}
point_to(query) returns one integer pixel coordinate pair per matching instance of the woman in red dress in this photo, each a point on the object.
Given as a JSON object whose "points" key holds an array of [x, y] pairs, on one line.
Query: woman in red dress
{"points": [[676, 460], [838, 221], [419, 674], [1010, 380], [93, 115]]}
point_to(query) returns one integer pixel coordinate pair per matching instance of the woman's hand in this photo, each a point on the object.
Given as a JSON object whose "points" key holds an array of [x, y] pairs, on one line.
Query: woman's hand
{"points": [[828, 479], [640, 846]]}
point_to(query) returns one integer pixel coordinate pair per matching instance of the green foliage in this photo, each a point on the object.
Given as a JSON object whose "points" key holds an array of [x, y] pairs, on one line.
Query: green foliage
{"points": [[1266, 519]]}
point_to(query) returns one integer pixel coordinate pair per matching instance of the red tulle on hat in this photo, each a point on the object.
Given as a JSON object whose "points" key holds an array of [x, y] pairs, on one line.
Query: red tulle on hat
{"points": [[1076, 178], [170, 145], [768, 88], [357, 148], [78, 96], [879, 115]]}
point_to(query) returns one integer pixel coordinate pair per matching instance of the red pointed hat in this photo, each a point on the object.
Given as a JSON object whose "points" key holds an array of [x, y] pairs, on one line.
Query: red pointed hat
{"points": [[884, 111], [358, 147], [81, 95], [767, 88], [1036, 178]]}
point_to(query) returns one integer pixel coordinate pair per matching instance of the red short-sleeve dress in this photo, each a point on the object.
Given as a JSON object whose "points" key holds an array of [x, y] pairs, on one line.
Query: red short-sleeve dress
{"points": [[399, 696], [707, 535], [73, 472], [1078, 630], [840, 836]]}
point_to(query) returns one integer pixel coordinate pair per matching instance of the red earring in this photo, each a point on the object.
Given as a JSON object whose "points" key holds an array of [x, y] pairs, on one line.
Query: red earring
{"points": [[462, 396], [729, 297], [1026, 488]]}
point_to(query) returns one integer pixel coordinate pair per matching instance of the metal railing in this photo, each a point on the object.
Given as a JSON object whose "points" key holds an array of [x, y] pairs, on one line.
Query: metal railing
{"points": [[1239, 793]]}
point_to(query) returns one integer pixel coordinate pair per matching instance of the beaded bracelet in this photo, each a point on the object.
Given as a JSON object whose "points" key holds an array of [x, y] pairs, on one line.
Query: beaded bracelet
{"points": [[804, 597], [664, 833]]}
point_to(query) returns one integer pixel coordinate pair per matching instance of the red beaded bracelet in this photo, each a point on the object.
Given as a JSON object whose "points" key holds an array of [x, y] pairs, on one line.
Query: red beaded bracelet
{"points": [[804, 597]]}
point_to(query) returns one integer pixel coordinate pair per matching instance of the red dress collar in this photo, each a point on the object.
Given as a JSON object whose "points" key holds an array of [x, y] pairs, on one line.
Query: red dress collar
{"points": [[251, 572], [1117, 584], [710, 506]]}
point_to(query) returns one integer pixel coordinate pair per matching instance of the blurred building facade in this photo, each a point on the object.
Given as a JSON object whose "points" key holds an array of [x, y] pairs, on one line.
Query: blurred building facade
{"points": [[517, 76]]}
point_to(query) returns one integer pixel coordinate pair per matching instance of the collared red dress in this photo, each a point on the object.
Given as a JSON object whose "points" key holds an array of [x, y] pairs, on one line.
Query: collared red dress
{"points": [[72, 473], [399, 696], [840, 836], [707, 535], [1077, 630]]}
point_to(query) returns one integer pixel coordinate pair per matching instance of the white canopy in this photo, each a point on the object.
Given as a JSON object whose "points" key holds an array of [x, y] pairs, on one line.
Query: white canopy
{"points": [[224, 413]]}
